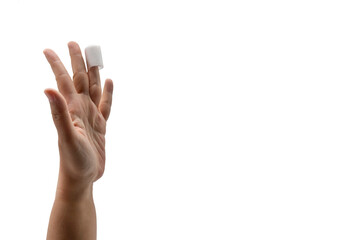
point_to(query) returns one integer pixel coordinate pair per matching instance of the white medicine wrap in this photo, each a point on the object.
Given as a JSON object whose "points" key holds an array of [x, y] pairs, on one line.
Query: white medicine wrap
{"points": [[93, 57]]}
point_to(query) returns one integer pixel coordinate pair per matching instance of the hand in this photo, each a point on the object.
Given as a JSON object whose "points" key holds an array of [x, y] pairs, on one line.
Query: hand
{"points": [[80, 112]]}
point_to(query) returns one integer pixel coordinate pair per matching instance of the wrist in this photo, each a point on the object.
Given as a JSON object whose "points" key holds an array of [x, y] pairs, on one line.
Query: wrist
{"points": [[73, 190]]}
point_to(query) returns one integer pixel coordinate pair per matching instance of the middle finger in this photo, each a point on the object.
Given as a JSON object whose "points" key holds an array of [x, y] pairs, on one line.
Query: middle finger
{"points": [[80, 78]]}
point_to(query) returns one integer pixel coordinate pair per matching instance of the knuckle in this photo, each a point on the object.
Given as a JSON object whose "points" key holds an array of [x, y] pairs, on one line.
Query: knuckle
{"points": [[78, 76], [106, 101], [95, 90], [61, 77]]}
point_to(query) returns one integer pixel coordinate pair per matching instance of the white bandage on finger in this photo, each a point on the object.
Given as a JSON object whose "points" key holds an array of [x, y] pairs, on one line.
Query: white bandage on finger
{"points": [[93, 57]]}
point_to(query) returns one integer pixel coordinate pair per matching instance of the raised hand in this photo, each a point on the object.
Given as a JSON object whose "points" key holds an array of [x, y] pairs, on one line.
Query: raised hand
{"points": [[80, 111]]}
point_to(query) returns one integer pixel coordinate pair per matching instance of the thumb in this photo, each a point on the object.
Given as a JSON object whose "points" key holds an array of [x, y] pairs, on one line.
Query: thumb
{"points": [[60, 114]]}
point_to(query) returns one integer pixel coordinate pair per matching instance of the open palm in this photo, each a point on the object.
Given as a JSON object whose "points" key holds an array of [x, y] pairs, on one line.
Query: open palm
{"points": [[80, 111]]}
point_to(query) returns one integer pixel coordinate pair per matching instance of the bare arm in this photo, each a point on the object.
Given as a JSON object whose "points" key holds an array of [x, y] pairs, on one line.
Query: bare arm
{"points": [[80, 111]]}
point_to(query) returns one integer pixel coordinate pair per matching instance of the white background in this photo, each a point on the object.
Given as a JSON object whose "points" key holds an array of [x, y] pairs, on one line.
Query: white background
{"points": [[230, 120]]}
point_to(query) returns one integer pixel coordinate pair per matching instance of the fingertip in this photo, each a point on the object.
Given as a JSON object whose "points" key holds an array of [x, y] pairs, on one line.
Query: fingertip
{"points": [[56, 95], [50, 54], [49, 90], [109, 85], [45, 51], [51, 94], [73, 45]]}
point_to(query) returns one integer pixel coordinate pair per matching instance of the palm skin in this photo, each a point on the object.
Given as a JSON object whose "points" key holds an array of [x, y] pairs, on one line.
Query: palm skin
{"points": [[86, 150], [80, 111]]}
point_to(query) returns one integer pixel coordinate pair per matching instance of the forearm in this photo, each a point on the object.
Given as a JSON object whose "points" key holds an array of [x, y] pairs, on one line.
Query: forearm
{"points": [[73, 214]]}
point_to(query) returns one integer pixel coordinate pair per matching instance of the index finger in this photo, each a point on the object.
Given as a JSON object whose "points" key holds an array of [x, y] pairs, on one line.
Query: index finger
{"points": [[64, 82]]}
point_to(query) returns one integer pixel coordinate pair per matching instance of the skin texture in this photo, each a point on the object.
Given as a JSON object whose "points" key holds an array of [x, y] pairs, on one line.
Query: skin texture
{"points": [[80, 110]]}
